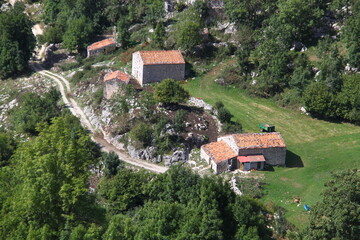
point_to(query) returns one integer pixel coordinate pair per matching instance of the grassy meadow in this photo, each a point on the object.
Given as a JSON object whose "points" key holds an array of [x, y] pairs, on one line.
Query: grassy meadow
{"points": [[315, 147]]}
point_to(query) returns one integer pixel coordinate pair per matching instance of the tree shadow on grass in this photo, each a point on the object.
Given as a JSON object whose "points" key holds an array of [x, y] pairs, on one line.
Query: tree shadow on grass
{"points": [[293, 160]]}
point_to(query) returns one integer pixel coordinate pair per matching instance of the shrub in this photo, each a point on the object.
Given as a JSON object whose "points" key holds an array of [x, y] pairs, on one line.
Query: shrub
{"points": [[141, 133], [34, 109], [232, 127], [170, 91], [111, 163], [179, 120], [98, 96], [224, 115], [219, 105]]}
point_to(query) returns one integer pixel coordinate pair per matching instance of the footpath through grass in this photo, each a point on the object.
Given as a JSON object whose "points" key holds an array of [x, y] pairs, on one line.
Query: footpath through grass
{"points": [[315, 147]]}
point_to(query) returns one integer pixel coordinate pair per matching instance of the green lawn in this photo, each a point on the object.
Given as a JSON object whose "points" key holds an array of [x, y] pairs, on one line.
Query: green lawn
{"points": [[320, 146]]}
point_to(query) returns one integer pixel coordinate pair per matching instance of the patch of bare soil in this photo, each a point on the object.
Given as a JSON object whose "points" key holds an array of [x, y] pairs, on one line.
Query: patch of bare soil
{"points": [[198, 122]]}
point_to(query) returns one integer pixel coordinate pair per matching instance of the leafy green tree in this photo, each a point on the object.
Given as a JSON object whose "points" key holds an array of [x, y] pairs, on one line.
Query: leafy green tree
{"points": [[124, 191], [16, 41], [331, 65], [179, 120], [302, 74], [351, 36], [111, 163], [188, 30], [178, 184], [336, 216], [120, 227], [159, 35], [141, 133], [349, 99], [170, 91], [7, 147], [319, 101], [34, 109], [299, 16], [52, 173], [123, 35], [249, 12], [77, 34], [224, 115], [154, 10]]}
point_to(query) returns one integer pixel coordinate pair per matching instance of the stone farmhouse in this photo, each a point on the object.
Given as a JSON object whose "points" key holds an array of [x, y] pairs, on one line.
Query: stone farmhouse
{"points": [[245, 151], [106, 45], [154, 66], [113, 81]]}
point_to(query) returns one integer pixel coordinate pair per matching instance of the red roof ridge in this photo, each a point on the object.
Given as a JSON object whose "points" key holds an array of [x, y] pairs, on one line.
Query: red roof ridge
{"points": [[117, 75], [161, 57], [219, 151], [102, 43]]}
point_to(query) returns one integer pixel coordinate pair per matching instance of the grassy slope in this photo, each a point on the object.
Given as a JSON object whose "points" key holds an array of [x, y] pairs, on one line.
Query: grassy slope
{"points": [[320, 146]]}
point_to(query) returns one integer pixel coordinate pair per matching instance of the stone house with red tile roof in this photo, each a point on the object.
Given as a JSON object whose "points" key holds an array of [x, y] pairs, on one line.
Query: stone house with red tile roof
{"points": [[106, 45], [154, 66], [245, 151], [113, 81]]}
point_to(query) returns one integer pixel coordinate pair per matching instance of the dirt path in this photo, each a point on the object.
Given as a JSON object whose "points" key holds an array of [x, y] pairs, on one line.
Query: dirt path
{"points": [[77, 111]]}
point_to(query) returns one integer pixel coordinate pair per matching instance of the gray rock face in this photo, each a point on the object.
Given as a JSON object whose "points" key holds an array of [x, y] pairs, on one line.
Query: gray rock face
{"points": [[200, 103], [179, 156], [148, 153]]}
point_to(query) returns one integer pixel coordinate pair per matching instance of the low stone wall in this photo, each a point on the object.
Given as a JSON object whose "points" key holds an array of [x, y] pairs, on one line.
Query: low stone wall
{"points": [[273, 156]]}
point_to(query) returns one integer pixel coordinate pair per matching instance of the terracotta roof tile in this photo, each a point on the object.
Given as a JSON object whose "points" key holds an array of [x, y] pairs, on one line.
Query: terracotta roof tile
{"points": [[220, 151], [259, 140], [101, 44], [251, 158], [162, 57], [117, 75]]}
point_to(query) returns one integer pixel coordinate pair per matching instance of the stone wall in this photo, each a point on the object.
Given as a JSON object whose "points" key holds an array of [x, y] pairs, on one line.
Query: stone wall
{"points": [[273, 156], [204, 155], [137, 67], [111, 87], [156, 73]]}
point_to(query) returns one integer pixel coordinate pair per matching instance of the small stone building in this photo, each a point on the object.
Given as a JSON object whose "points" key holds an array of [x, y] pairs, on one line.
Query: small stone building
{"points": [[245, 151], [97, 48], [113, 81], [154, 66]]}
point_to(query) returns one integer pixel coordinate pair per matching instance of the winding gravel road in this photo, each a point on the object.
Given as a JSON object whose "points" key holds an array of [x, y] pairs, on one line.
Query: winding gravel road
{"points": [[78, 112]]}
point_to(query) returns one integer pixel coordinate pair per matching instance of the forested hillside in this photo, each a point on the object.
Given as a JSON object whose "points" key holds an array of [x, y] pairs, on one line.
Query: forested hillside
{"points": [[254, 60]]}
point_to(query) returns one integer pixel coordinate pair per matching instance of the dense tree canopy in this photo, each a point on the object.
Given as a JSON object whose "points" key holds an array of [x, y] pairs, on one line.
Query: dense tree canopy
{"points": [[16, 41], [51, 175], [336, 216]]}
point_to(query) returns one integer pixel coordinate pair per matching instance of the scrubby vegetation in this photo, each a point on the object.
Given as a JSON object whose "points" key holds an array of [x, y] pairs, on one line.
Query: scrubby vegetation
{"points": [[33, 110]]}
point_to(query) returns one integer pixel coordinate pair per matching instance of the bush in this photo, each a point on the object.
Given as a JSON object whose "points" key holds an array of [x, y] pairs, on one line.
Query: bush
{"points": [[219, 105], [224, 115], [34, 109], [170, 91], [141, 133], [111, 163], [98, 96], [232, 127], [179, 120], [69, 66]]}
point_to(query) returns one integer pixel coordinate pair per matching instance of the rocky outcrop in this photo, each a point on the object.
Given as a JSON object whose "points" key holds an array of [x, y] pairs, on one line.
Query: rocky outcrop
{"points": [[148, 153], [179, 156]]}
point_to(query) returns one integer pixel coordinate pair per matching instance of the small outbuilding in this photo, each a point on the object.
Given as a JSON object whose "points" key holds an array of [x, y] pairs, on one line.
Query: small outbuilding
{"points": [[106, 45], [245, 151], [154, 66], [113, 81]]}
